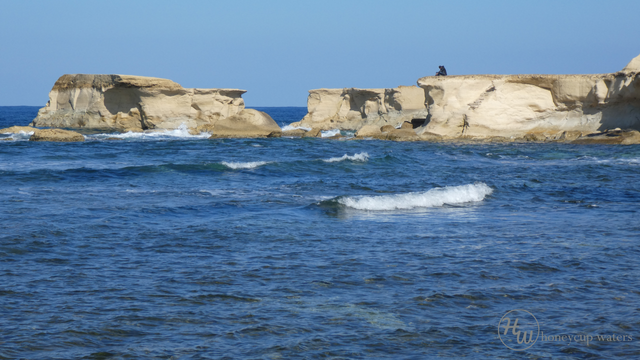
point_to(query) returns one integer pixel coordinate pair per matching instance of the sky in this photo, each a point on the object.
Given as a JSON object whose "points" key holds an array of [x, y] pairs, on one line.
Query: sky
{"points": [[279, 50]]}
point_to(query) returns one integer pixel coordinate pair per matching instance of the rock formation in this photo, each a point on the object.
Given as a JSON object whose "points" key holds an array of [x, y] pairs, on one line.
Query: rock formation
{"points": [[350, 109], [489, 107], [372, 131], [124, 102], [616, 136], [248, 123], [17, 130], [633, 65], [544, 107], [56, 135], [479, 106]]}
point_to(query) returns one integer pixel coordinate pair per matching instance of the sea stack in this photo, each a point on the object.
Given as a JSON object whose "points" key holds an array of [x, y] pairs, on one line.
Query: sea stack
{"points": [[487, 107], [544, 106], [125, 102]]}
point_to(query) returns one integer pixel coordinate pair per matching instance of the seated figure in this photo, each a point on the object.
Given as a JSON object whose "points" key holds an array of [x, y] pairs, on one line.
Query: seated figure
{"points": [[442, 72]]}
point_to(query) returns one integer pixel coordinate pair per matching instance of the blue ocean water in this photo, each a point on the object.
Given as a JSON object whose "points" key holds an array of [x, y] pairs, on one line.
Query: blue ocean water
{"points": [[177, 246]]}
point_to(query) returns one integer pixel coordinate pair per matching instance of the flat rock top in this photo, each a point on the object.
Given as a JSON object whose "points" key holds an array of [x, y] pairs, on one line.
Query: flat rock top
{"points": [[361, 90], [75, 81], [516, 77]]}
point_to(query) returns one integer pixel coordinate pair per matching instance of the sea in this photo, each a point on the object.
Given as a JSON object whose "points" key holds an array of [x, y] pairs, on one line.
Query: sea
{"points": [[173, 246]]}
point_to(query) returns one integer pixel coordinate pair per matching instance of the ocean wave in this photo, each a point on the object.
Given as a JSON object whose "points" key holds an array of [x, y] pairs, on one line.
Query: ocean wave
{"points": [[363, 156], [329, 133], [20, 136], [597, 160], [244, 165], [182, 132], [289, 128], [432, 198]]}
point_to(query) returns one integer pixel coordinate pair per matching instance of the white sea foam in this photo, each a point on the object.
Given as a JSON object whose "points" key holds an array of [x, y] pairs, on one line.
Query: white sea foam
{"points": [[432, 198], [244, 165], [363, 156], [289, 128], [20, 136], [330, 133], [182, 132]]}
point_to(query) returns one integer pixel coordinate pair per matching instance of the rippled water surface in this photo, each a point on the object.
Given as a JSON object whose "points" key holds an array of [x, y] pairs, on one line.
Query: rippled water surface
{"points": [[174, 246]]}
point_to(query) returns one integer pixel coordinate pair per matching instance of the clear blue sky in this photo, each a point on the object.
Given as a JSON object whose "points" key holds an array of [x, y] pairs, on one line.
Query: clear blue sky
{"points": [[278, 50]]}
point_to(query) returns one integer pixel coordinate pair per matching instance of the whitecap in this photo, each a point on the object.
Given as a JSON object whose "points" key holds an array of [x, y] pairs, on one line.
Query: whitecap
{"points": [[289, 128], [20, 136], [363, 156], [182, 132], [244, 165], [329, 133], [432, 198]]}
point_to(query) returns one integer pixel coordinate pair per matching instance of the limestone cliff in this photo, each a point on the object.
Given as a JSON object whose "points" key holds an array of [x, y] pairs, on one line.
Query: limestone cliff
{"points": [[482, 106], [540, 107], [350, 109], [124, 102]]}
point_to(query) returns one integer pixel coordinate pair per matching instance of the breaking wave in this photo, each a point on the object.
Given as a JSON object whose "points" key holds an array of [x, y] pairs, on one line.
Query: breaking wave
{"points": [[182, 132], [363, 156], [289, 127], [20, 136], [432, 198], [330, 133], [244, 165]]}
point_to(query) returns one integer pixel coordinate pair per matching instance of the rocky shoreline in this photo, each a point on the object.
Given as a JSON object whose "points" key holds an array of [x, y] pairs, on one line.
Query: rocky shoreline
{"points": [[581, 109], [490, 108]]}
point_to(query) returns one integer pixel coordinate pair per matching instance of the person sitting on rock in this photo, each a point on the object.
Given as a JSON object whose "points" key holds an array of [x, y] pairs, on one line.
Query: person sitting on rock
{"points": [[442, 72]]}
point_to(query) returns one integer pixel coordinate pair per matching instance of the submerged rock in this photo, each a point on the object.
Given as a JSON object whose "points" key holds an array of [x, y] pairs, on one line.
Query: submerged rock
{"points": [[56, 135]]}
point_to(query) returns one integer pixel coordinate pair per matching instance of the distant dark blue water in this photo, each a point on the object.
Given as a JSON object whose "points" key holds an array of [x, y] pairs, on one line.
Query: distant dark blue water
{"points": [[176, 246]]}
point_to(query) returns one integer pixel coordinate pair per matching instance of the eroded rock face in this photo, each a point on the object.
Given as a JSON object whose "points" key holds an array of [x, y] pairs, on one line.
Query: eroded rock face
{"points": [[350, 109], [538, 106], [56, 135], [248, 123], [133, 102], [486, 107]]}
